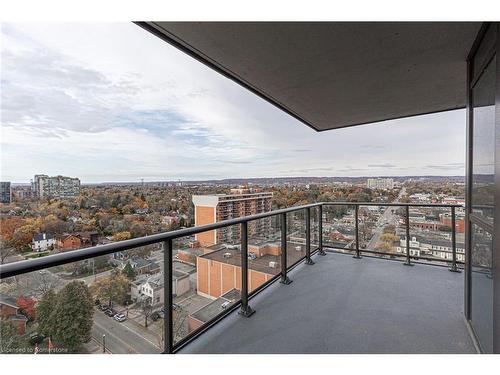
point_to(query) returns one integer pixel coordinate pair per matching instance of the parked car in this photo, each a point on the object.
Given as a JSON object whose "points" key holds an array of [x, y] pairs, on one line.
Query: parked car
{"points": [[110, 312], [103, 307], [120, 317], [157, 315], [97, 302], [36, 338]]}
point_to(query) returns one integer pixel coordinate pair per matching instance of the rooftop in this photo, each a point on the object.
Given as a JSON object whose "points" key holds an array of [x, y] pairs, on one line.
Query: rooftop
{"points": [[212, 309], [260, 263], [345, 305]]}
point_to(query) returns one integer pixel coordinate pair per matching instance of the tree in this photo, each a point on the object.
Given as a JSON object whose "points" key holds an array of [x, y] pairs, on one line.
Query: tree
{"points": [[8, 226], [71, 318], [27, 306], [10, 341], [6, 250], [147, 309], [44, 313], [121, 236], [137, 229], [23, 236], [44, 282], [129, 271], [111, 288]]}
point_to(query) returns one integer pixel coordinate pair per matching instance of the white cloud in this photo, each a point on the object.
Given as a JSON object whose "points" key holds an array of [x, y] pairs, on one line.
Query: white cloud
{"points": [[111, 102]]}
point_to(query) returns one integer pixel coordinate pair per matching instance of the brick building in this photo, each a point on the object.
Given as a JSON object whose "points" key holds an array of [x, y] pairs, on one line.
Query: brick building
{"points": [[219, 207], [220, 271]]}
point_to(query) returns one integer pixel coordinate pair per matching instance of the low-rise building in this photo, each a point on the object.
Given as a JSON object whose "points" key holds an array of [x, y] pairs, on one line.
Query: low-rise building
{"points": [[151, 286], [440, 248], [220, 271], [208, 312], [68, 242], [10, 311], [43, 242]]}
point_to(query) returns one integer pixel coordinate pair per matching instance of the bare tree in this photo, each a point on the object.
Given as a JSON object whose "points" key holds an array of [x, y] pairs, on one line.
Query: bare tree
{"points": [[147, 309]]}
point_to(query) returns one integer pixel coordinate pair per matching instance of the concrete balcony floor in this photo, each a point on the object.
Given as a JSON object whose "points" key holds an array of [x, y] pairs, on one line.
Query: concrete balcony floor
{"points": [[346, 305]]}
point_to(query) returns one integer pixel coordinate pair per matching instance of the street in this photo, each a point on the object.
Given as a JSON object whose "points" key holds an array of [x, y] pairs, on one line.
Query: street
{"points": [[122, 338], [388, 217]]}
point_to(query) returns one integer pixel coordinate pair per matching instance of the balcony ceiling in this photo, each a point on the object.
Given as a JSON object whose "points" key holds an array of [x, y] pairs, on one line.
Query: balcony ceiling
{"points": [[332, 75]]}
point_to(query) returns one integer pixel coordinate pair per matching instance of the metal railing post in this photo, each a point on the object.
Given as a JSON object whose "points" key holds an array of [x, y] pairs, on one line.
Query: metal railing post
{"points": [[245, 310], [454, 267], [320, 230], [284, 278], [408, 259], [167, 297], [356, 228], [309, 261]]}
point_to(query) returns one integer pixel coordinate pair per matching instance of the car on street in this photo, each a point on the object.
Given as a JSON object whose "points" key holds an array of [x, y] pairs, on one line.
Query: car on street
{"points": [[110, 312], [103, 307], [120, 317], [157, 315]]}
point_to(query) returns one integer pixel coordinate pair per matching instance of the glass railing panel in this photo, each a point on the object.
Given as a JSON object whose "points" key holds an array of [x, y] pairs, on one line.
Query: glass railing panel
{"points": [[382, 230], [314, 228], [264, 250], [99, 305], [296, 236], [482, 286], [206, 278], [339, 227], [431, 235]]}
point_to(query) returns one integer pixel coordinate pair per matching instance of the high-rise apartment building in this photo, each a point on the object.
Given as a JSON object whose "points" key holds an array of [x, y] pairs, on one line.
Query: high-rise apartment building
{"points": [[380, 183], [218, 207], [56, 186], [5, 192]]}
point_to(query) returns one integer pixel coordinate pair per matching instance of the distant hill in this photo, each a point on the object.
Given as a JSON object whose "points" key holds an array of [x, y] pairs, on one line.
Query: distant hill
{"points": [[294, 180]]}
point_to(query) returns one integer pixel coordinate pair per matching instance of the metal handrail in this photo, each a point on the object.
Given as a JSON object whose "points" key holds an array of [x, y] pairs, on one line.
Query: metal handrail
{"points": [[25, 266]]}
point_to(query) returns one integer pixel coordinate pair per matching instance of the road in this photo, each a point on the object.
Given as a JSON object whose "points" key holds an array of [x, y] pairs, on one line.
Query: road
{"points": [[121, 338], [386, 216]]}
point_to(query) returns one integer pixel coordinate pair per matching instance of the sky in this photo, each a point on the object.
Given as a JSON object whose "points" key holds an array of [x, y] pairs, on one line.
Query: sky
{"points": [[109, 102]]}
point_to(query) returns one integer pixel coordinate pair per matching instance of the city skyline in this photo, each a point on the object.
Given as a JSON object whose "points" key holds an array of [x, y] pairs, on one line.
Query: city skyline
{"points": [[80, 104]]}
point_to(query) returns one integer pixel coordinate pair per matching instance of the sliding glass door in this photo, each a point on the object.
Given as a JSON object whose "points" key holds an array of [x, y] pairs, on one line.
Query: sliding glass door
{"points": [[481, 189]]}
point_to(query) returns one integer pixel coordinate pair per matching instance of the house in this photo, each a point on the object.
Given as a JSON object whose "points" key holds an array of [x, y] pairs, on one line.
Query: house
{"points": [[143, 266], [43, 242], [9, 311], [88, 238], [169, 220], [140, 265], [72, 241], [68, 242], [152, 286]]}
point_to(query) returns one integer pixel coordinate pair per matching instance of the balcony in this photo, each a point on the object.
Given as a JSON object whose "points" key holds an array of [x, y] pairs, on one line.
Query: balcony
{"points": [[346, 297], [347, 305]]}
